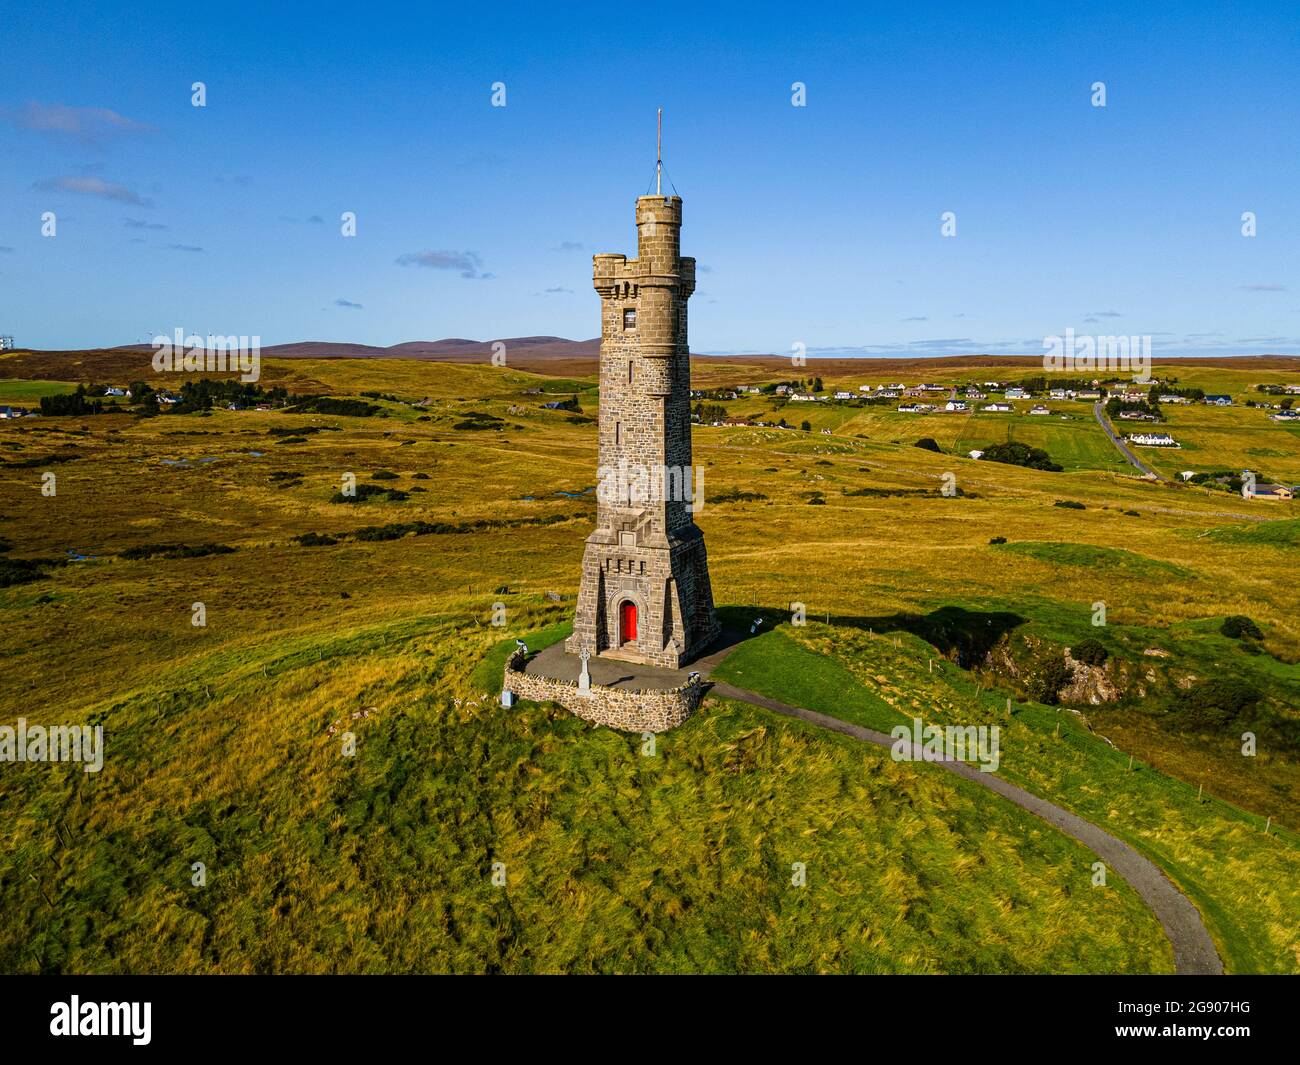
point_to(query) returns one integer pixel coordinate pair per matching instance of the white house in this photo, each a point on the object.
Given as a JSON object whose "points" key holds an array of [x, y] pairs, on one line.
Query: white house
{"points": [[843, 395], [999, 407], [1219, 401], [1040, 409], [1016, 393], [955, 405], [1152, 440]]}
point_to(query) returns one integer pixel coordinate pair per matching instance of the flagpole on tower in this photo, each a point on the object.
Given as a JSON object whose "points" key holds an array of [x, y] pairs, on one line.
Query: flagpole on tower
{"points": [[659, 157]]}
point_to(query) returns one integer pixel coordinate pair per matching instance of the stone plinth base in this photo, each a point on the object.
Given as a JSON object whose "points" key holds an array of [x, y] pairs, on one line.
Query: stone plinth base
{"points": [[623, 708]]}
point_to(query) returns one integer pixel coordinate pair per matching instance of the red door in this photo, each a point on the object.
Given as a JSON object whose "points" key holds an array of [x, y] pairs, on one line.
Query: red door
{"points": [[627, 622]]}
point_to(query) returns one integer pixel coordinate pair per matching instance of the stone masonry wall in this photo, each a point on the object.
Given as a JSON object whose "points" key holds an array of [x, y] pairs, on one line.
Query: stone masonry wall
{"points": [[649, 710]]}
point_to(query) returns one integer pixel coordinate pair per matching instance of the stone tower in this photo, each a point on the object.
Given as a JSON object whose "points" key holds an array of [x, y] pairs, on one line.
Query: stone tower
{"points": [[645, 594]]}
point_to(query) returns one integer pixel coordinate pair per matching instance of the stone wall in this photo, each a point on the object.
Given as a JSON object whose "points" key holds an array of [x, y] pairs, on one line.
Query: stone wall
{"points": [[648, 710]]}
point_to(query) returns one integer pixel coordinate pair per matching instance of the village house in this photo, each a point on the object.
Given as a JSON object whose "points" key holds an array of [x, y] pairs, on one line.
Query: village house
{"points": [[1152, 440], [1136, 416], [1088, 393], [1173, 397], [1218, 401], [844, 395], [1003, 408], [975, 394], [1272, 492], [1040, 409], [1016, 392], [955, 405], [1286, 416]]}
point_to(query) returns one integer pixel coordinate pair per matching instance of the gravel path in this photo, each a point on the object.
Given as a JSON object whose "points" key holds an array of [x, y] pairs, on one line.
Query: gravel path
{"points": [[1194, 952]]}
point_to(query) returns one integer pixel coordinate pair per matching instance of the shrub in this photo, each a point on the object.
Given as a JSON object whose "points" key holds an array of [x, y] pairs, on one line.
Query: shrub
{"points": [[1014, 453], [312, 539], [998, 540], [1217, 701], [1240, 627], [383, 475], [1090, 652], [369, 491], [175, 551], [355, 408], [1069, 504], [737, 496], [928, 444], [21, 571], [1049, 678]]}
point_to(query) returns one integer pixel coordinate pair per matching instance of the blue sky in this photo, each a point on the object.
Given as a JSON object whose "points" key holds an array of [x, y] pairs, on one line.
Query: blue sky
{"points": [[817, 225]]}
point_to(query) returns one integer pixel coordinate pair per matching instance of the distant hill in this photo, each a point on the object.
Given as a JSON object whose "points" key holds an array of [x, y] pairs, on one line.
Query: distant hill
{"points": [[556, 357], [453, 349]]}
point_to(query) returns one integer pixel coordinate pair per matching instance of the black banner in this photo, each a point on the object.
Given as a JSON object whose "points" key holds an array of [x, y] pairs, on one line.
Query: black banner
{"points": [[147, 1014]]}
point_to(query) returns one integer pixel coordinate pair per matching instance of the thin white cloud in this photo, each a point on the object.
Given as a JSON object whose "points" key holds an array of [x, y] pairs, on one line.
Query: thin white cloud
{"points": [[82, 123], [86, 185]]}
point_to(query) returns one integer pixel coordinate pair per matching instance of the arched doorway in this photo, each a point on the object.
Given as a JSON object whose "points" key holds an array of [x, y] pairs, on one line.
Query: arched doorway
{"points": [[626, 622]]}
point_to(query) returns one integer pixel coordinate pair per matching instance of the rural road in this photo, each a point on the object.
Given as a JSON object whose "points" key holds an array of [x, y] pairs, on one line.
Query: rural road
{"points": [[1194, 952], [1104, 422]]}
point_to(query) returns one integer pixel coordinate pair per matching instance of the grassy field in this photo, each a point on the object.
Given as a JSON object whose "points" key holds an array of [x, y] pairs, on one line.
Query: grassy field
{"points": [[219, 750], [1243, 881]]}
